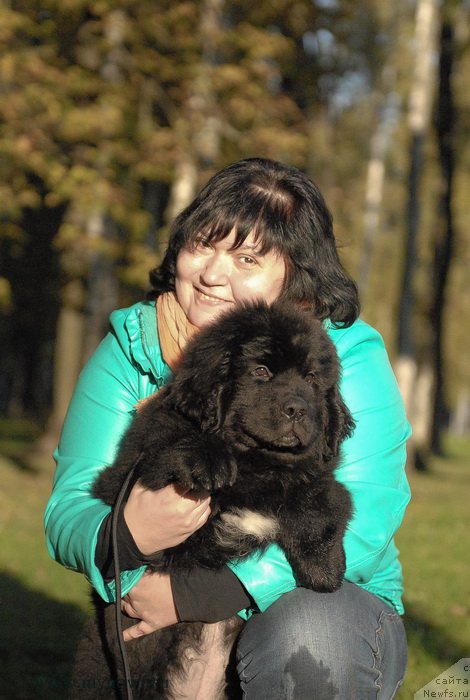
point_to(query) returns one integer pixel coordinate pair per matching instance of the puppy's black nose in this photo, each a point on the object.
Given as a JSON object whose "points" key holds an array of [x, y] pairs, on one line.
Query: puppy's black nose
{"points": [[295, 408]]}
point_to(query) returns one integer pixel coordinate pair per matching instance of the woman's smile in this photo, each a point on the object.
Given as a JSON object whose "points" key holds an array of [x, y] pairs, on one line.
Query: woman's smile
{"points": [[210, 298]]}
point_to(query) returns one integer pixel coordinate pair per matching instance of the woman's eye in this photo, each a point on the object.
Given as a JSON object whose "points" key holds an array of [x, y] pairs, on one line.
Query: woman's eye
{"points": [[309, 377], [246, 260], [197, 246], [203, 244], [261, 371]]}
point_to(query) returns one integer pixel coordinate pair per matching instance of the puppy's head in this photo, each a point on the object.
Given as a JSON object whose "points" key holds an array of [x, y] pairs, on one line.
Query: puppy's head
{"points": [[265, 377]]}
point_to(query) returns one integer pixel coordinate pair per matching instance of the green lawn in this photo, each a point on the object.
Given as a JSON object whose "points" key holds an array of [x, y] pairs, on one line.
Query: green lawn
{"points": [[435, 544], [42, 606]]}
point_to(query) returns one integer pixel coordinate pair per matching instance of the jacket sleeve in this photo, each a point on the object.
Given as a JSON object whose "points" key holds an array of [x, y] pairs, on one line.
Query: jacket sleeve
{"points": [[371, 467], [100, 411]]}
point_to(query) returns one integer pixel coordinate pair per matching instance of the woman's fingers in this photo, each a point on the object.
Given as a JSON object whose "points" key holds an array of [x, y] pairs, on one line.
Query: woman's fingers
{"points": [[202, 515], [151, 602], [140, 630], [164, 518]]}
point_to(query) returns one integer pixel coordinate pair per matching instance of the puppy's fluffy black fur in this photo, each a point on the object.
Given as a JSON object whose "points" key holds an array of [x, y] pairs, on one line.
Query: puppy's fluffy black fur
{"points": [[254, 416]]}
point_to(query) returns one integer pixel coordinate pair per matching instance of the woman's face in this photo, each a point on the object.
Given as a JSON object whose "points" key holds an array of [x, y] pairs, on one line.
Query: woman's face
{"points": [[212, 277]]}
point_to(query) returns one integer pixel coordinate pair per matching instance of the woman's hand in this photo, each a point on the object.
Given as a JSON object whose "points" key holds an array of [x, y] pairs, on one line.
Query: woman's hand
{"points": [[151, 602], [158, 520], [161, 519]]}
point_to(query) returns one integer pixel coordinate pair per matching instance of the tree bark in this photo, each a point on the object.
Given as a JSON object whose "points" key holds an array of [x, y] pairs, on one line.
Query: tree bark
{"points": [[201, 127], [445, 125], [68, 361], [415, 385], [375, 181], [418, 120]]}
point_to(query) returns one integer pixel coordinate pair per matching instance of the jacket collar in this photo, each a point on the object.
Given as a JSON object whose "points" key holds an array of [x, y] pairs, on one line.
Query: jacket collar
{"points": [[144, 345]]}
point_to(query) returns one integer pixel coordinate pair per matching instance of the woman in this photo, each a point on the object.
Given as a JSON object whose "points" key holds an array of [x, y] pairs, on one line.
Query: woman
{"points": [[258, 229]]}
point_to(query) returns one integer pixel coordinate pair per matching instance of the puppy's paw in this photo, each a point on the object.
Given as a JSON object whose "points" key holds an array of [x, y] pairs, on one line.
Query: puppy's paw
{"points": [[319, 576], [195, 461], [225, 473], [210, 464], [213, 471]]}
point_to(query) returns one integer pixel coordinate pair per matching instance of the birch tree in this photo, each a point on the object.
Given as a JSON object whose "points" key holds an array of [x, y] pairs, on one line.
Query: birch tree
{"points": [[199, 124]]}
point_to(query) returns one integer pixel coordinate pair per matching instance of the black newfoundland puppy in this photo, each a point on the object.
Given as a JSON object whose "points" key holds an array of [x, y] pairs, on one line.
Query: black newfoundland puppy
{"points": [[254, 416]]}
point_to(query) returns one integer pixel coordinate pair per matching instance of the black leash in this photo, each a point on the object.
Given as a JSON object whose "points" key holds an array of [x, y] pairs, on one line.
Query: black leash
{"points": [[117, 574]]}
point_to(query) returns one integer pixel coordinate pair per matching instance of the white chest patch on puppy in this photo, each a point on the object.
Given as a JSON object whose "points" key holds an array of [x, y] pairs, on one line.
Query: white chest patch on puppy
{"points": [[239, 523]]}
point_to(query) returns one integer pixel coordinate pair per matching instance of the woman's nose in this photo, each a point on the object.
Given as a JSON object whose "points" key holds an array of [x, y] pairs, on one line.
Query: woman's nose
{"points": [[216, 269]]}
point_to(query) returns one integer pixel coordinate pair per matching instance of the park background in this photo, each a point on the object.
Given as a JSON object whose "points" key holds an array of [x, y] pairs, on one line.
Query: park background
{"points": [[112, 114]]}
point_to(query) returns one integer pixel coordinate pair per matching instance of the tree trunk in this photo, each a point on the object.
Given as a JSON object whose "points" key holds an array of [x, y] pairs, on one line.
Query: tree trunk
{"points": [[102, 292], [375, 181], [201, 127], [418, 120], [102, 286], [68, 361], [445, 124], [415, 389]]}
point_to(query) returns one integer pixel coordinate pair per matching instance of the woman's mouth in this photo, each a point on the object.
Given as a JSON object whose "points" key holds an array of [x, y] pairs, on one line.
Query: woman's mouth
{"points": [[210, 298]]}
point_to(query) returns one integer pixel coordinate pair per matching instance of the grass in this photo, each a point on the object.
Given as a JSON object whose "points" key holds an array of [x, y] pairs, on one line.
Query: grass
{"points": [[434, 542], [43, 606]]}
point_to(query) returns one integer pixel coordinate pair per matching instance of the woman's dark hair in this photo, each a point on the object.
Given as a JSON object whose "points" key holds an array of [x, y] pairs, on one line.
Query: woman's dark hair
{"points": [[287, 213]]}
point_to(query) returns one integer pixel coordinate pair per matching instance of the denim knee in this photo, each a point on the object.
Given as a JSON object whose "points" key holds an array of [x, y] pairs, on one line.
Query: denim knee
{"points": [[347, 644]]}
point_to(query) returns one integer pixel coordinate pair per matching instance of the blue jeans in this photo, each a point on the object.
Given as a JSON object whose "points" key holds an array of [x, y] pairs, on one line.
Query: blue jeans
{"points": [[348, 645]]}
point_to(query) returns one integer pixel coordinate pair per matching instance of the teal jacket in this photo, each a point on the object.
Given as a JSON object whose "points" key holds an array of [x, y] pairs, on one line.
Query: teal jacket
{"points": [[128, 366]]}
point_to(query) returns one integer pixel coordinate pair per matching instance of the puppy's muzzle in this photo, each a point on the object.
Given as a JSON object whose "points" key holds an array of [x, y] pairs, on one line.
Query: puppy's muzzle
{"points": [[295, 408]]}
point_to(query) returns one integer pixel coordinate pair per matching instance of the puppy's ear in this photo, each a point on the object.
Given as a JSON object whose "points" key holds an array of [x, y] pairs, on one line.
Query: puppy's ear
{"points": [[219, 394], [213, 412], [201, 389], [339, 423]]}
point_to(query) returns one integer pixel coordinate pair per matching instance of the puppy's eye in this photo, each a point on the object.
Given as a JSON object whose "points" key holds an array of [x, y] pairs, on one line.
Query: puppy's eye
{"points": [[309, 377], [262, 372]]}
